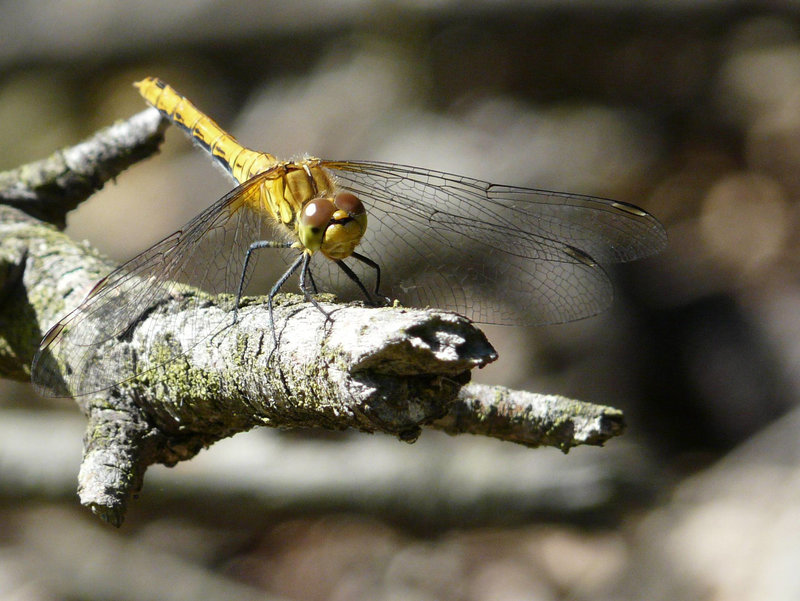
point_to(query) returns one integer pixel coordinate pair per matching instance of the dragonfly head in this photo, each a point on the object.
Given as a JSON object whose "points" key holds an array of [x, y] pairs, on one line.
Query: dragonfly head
{"points": [[333, 225]]}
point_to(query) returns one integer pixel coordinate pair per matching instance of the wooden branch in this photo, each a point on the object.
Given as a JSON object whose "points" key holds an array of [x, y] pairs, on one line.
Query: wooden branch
{"points": [[531, 419], [391, 370], [50, 188]]}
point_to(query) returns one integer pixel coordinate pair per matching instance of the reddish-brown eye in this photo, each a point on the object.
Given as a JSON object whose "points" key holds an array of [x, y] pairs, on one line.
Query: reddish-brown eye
{"points": [[349, 203], [314, 221], [317, 213]]}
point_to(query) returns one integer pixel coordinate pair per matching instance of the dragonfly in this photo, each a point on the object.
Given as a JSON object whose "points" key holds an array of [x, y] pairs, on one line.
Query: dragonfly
{"points": [[360, 229]]}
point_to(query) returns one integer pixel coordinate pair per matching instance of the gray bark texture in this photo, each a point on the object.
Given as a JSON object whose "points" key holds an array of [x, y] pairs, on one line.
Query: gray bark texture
{"points": [[391, 370]]}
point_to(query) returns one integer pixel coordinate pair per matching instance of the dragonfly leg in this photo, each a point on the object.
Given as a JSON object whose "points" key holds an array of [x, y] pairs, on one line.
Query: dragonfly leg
{"points": [[367, 261], [303, 286], [314, 289], [274, 290], [352, 275], [255, 246]]}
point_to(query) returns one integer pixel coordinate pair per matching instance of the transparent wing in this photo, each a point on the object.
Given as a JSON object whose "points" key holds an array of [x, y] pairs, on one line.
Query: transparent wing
{"points": [[498, 254], [208, 253]]}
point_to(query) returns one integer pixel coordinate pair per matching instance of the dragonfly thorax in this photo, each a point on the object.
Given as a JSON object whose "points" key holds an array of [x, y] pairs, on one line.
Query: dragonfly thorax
{"points": [[332, 225]]}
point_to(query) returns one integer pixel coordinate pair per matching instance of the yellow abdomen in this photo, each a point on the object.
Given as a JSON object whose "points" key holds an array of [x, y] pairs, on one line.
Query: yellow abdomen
{"points": [[283, 191]]}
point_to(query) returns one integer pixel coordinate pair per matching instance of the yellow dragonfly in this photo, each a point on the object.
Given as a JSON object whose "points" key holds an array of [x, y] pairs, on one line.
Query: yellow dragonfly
{"points": [[496, 254]]}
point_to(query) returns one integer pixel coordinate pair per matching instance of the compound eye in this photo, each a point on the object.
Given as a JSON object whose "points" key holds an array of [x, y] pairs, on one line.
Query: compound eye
{"points": [[316, 214], [349, 203], [313, 221]]}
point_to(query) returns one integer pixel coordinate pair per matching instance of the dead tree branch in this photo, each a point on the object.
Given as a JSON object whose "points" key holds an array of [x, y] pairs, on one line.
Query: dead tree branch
{"points": [[531, 419], [50, 188]]}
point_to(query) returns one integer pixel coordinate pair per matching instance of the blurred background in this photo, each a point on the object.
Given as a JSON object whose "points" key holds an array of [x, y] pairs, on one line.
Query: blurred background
{"points": [[688, 109]]}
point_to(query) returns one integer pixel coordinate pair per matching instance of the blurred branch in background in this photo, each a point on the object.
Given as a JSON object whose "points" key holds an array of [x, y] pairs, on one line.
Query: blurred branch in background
{"points": [[252, 479], [439, 482]]}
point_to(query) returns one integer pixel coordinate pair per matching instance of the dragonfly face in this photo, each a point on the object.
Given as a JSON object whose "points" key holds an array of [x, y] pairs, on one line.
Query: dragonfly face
{"points": [[497, 254], [343, 229]]}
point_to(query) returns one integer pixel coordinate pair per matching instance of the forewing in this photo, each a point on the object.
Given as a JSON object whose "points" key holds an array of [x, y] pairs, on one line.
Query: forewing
{"points": [[498, 254], [207, 253]]}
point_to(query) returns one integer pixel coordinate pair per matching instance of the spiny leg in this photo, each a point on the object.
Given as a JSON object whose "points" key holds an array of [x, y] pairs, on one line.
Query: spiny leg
{"points": [[352, 275], [255, 246], [306, 271], [281, 281], [303, 259], [314, 288], [274, 290], [369, 262]]}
